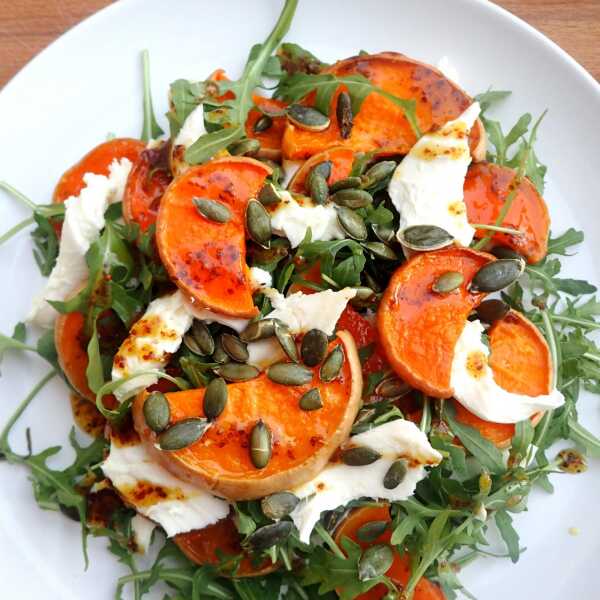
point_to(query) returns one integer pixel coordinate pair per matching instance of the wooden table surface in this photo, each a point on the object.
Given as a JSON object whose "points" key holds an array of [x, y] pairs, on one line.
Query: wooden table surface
{"points": [[28, 26]]}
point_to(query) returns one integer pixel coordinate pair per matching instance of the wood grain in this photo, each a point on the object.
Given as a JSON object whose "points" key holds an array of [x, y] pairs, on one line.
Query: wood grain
{"points": [[28, 26]]}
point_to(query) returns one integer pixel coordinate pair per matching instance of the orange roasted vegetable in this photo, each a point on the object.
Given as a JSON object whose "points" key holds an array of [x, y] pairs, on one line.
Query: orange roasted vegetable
{"points": [[486, 187], [418, 327], [302, 441], [341, 164], [270, 139], [207, 259]]}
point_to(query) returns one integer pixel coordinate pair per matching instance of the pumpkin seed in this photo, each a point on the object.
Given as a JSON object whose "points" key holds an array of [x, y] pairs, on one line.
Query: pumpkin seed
{"points": [[317, 187], [344, 115], [395, 475], [345, 184], [203, 337], [191, 344], [245, 147], [352, 223], [425, 237], [234, 347], [352, 198], [279, 505], [268, 195], [270, 535], [289, 374], [369, 532], [378, 173], [307, 117], [237, 372], [258, 223], [262, 124], [385, 233], [314, 347], [286, 340], [359, 456], [260, 445], [323, 169], [258, 330], [381, 250], [375, 562], [157, 412], [182, 434], [215, 398], [497, 275], [392, 387], [330, 369], [219, 355], [504, 252], [311, 400], [212, 210], [447, 282], [492, 310], [365, 296]]}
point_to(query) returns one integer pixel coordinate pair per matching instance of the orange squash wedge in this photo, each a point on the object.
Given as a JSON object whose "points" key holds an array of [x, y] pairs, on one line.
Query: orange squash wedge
{"points": [[521, 362], [399, 572], [419, 328], [380, 124], [303, 441], [206, 259], [341, 159], [270, 139], [486, 187]]}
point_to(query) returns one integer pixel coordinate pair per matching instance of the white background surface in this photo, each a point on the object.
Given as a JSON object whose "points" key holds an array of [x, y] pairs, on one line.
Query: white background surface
{"points": [[88, 84]]}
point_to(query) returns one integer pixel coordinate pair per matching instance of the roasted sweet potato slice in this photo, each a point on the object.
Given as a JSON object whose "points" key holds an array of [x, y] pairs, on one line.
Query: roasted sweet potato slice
{"points": [[207, 259], [380, 124], [203, 546], [399, 572], [303, 441], [146, 184], [96, 161], [486, 187], [521, 362], [341, 164], [418, 327]]}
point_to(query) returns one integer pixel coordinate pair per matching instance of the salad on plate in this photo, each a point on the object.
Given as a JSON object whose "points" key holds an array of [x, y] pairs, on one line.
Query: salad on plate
{"points": [[317, 335]]}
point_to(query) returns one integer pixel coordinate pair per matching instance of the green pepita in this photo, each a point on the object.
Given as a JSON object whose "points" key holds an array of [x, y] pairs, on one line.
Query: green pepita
{"points": [[332, 366], [497, 275], [375, 562], [157, 412], [219, 355], [344, 114], [384, 233], [323, 169], [381, 250], [492, 310], [234, 347], [395, 475], [447, 282], [262, 124], [215, 398], [258, 223], [268, 195], [258, 330], [182, 434], [348, 183], [378, 173], [286, 340], [307, 117], [204, 339], [289, 374], [191, 344], [369, 532], [279, 505], [261, 445], [270, 535], [352, 198], [392, 387], [317, 187], [237, 372], [246, 147], [504, 252], [352, 223], [359, 456], [311, 400], [425, 237], [212, 210], [314, 347]]}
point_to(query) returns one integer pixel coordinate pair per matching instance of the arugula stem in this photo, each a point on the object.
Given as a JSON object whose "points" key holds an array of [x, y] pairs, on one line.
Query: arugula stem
{"points": [[425, 424], [324, 534], [150, 128], [497, 228], [22, 198], [573, 321], [14, 230]]}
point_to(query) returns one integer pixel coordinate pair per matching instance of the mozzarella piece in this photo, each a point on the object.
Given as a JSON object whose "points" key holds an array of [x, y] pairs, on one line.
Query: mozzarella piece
{"points": [[203, 314], [84, 220], [290, 168], [338, 483], [427, 186], [142, 529], [260, 279], [157, 494], [448, 69], [192, 128], [301, 313], [472, 380], [150, 343], [292, 219]]}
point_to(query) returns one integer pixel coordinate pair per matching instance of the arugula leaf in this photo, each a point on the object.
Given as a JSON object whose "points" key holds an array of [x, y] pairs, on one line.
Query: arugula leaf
{"points": [[508, 533], [489, 98], [584, 438], [150, 128], [94, 371], [562, 243], [295, 59]]}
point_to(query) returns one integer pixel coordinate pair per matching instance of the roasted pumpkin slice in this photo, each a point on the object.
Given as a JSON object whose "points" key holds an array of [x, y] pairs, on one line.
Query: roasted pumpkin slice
{"points": [[146, 184], [399, 572], [96, 161], [207, 258], [380, 124], [210, 545], [521, 363], [302, 441], [341, 164], [486, 188], [418, 327], [269, 138]]}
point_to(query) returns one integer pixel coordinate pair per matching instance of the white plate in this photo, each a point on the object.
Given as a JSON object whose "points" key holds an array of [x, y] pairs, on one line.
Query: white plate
{"points": [[88, 84]]}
